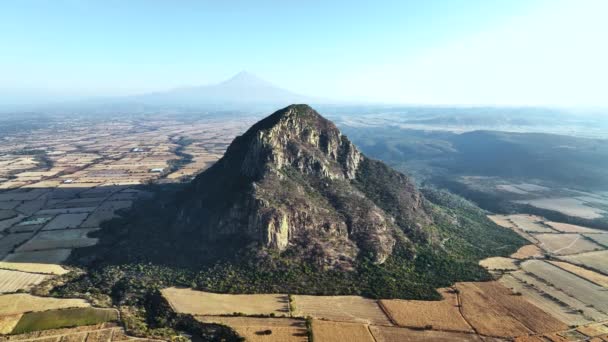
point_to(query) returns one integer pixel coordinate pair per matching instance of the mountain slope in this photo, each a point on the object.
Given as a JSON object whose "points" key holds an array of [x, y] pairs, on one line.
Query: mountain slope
{"points": [[294, 181]]}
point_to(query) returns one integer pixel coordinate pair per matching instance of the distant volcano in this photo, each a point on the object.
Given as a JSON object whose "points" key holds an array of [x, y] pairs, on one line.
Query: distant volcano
{"points": [[242, 89]]}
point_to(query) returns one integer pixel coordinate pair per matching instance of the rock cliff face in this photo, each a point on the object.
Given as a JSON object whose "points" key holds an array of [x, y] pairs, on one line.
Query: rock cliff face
{"points": [[294, 184]]}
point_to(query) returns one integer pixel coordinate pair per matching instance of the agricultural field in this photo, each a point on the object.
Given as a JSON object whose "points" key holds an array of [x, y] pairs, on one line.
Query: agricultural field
{"points": [[340, 331], [529, 223], [440, 315], [499, 264], [572, 228], [81, 174], [97, 332], [564, 244], [584, 273], [600, 239], [566, 205], [263, 329], [340, 309], [555, 294], [18, 303], [55, 319], [543, 301], [392, 334], [593, 260], [584, 291], [65, 221], [13, 281], [493, 310], [210, 304], [59, 239], [527, 251], [47, 261]]}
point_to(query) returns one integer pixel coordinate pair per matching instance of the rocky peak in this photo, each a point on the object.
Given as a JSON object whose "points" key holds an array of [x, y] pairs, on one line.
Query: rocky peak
{"points": [[294, 182], [299, 137]]}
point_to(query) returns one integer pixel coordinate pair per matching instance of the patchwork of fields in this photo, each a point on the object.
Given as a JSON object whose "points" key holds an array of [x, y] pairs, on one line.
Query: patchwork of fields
{"points": [[58, 185]]}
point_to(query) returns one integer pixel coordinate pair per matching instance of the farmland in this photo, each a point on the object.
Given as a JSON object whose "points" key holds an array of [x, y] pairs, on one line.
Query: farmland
{"points": [[206, 303], [51, 204], [440, 315], [340, 331], [341, 309], [19, 303], [55, 319], [494, 311], [79, 175], [594, 260], [13, 281], [263, 329]]}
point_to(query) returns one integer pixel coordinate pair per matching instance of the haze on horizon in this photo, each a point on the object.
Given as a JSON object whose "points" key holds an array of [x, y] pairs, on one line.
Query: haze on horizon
{"points": [[519, 52]]}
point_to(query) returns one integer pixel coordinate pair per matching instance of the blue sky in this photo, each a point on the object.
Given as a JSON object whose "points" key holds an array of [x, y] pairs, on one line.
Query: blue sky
{"points": [[512, 52]]}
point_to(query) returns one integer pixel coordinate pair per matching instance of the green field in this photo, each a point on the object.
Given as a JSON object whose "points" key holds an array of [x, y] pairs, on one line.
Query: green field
{"points": [[54, 319]]}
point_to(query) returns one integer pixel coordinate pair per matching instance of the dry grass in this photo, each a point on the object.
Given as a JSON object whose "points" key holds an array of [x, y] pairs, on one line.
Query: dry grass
{"points": [[13, 281], [567, 303], [566, 205], [540, 299], [501, 220], [341, 308], [253, 329], [8, 323], [577, 287], [211, 304], [493, 310], [107, 331], [527, 251], [37, 262], [593, 277], [392, 334], [530, 223], [593, 330], [564, 244], [18, 303], [340, 332], [594, 260], [440, 315], [499, 263], [571, 228]]}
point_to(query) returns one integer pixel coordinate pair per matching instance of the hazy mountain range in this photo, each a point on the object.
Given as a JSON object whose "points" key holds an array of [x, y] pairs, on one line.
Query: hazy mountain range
{"points": [[242, 91]]}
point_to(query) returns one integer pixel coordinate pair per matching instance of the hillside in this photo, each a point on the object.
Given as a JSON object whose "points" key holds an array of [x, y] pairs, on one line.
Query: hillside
{"points": [[291, 207]]}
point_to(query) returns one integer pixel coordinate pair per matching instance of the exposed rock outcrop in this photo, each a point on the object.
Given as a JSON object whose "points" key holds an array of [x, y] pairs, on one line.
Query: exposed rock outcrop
{"points": [[294, 183]]}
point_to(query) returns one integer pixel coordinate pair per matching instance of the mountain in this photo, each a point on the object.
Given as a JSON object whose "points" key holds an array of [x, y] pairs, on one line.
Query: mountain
{"points": [[292, 207], [293, 181], [242, 89]]}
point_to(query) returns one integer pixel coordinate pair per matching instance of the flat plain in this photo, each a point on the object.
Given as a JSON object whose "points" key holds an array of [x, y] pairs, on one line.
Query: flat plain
{"points": [[594, 260], [392, 334], [210, 304], [441, 315], [527, 251], [584, 273], [493, 310], [263, 329], [341, 309], [13, 281], [583, 290], [543, 301], [340, 331], [19, 303], [564, 244]]}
